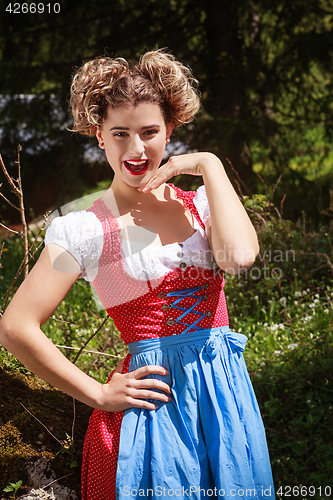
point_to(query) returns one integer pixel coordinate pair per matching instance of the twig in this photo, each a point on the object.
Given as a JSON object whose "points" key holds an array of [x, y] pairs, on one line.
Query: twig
{"points": [[276, 184], [21, 267], [73, 423], [10, 230], [262, 180], [9, 202], [87, 350], [239, 179], [55, 480], [16, 185], [281, 204], [256, 214], [62, 321], [48, 430], [319, 387], [8, 177], [89, 339], [318, 254], [22, 212]]}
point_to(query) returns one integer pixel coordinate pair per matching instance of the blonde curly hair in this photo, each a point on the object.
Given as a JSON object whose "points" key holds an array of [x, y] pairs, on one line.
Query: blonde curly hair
{"points": [[157, 78]]}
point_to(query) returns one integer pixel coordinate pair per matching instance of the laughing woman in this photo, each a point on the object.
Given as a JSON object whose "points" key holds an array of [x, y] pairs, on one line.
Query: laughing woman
{"points": [[178, 417]]}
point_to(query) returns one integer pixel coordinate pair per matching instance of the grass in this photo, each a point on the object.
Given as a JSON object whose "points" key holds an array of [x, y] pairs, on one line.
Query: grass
{"points": [[285, 307]]}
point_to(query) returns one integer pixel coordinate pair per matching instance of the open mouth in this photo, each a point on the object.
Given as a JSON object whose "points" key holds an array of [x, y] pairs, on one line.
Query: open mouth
{"points": [[136, 167]]}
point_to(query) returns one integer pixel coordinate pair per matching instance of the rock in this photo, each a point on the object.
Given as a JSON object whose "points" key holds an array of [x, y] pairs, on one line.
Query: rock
{"points": [[42, 477], [38, 495]]}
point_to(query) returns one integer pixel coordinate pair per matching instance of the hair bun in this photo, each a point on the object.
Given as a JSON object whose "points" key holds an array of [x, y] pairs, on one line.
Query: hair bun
{"points": [[157, 78], [175, 82]]}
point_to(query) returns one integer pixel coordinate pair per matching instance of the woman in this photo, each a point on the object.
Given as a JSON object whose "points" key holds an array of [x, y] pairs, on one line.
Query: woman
{"points": [[155, 256]]}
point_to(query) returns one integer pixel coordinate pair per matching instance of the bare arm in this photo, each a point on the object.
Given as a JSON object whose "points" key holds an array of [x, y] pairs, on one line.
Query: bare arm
{"points": [[20, 332], [230, 233]]}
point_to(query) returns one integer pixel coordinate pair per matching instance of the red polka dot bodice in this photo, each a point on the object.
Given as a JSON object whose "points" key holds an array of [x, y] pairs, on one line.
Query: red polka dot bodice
{"points": [[154, 308]]}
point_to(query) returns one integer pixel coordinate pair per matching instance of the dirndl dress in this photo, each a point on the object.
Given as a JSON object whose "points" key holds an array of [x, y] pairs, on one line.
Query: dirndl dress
{"points": [[209, 440]]}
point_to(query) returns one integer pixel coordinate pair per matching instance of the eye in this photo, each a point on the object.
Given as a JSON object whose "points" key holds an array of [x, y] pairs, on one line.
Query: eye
{"points": [[120, 134], [151, 131]]}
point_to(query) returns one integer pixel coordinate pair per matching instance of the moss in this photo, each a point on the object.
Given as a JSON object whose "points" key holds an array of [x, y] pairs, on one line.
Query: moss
{"points": [[23, 438]]}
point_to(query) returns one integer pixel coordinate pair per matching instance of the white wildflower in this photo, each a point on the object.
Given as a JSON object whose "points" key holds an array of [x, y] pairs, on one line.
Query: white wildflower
{"points": [[277, 352], [317, 295], [281, 326], [292, 346], [326, 311], [312, 305], [298, 294], [283, 301], [306, 319]]}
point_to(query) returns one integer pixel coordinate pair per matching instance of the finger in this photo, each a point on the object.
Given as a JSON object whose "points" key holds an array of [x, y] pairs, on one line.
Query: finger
{"points": [[142, 394], [141, 403], [152, 383], [162, 175], [119, 367], [143, 371]]}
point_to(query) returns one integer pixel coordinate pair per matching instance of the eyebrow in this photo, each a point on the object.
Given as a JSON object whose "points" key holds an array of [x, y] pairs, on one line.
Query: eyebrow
{"points": [[142, 128]]}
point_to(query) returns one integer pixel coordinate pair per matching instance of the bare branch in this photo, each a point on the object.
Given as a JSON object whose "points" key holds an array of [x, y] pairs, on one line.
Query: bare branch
{"points": [[9, 202], [8, 177], [22, 213], [318, 254], [11, 230], [90, 338], [239, 179]]}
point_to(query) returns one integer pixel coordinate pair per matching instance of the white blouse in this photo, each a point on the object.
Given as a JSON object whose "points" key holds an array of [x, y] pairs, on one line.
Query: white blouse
{"points": [[81, 234]]}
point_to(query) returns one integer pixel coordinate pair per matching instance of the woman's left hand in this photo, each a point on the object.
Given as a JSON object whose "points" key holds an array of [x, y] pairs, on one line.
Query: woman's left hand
{"points": [[191, 164]]}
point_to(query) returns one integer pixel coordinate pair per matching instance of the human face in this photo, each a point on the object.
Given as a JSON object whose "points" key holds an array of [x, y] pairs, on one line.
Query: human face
{"points": [[134, 140]]}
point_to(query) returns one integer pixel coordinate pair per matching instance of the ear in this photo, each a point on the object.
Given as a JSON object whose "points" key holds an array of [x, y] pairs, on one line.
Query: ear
{"points": [[99, 136], [169, 130]]}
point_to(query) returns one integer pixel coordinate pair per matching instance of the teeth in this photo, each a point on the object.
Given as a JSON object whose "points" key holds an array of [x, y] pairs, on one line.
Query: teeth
{"points": [[136, 163]]}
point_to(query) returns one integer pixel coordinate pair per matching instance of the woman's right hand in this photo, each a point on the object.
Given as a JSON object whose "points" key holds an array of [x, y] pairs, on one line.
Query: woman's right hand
{"points": [[131, 390]]}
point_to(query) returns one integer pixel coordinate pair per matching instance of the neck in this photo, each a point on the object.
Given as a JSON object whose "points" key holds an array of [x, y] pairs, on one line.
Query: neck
{"points": [[128, 197]]}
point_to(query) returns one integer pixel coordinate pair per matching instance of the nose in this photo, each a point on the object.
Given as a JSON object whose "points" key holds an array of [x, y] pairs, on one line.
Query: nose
{"points": [[137, 146]]}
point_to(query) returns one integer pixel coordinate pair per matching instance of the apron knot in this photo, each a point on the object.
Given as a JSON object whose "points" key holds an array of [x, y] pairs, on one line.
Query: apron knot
{"points": [[213, 343]]}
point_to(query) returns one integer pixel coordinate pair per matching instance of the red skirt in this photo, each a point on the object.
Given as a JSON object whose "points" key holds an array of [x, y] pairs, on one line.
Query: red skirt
{"points": [[100, 453]]}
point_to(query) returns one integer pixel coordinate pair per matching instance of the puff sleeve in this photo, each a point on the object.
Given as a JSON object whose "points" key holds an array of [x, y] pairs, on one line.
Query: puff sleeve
{"points": [[200, 201], [81, 234]]}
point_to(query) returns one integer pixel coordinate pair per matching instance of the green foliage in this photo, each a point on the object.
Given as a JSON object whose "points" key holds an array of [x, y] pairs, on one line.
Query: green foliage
{"points": [[13, 487], [265, 72], [284, 305]]}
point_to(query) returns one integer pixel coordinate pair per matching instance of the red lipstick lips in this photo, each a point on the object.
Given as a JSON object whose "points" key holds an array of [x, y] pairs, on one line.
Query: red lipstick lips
{"points": [[136, 167]]}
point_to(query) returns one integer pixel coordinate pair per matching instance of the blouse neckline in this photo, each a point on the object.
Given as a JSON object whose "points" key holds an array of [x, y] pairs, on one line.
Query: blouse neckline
{"points": [[106, 209]]}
